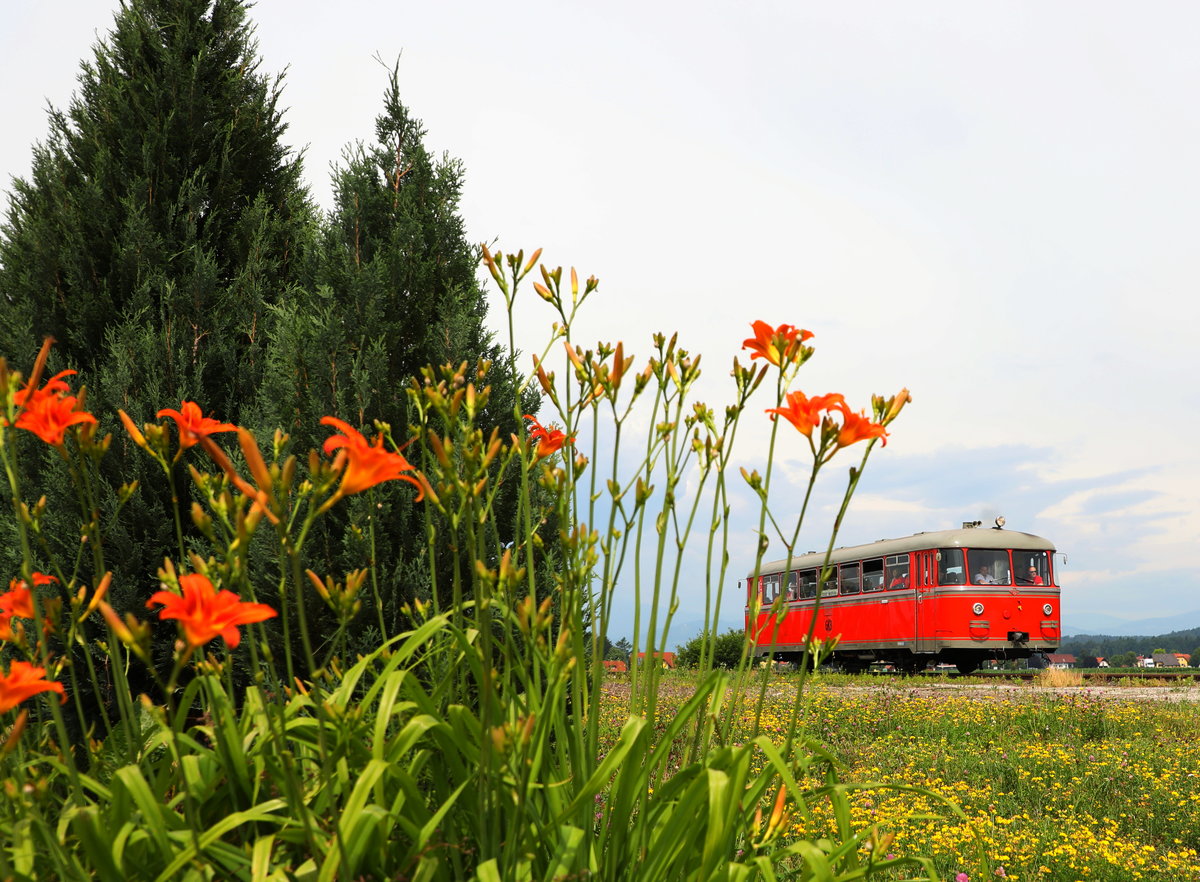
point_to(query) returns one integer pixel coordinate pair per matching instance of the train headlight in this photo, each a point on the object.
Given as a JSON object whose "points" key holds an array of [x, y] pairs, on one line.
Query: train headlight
{"points": [[1047, 608], [977, 608]]}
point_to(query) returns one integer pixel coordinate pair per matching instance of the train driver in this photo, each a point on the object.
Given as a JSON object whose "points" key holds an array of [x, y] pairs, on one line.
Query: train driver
{"points": [[1032, 577], [984, 576]]}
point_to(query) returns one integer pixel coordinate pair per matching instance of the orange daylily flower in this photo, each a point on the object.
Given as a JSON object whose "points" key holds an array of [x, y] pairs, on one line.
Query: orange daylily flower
{"points": [[367, 464], [54, 386], [857, 427], [548, 440], [17, 601], [23, 681], [192, 423], [806, 413], [776, 345], [205, 613], [48, 412]]}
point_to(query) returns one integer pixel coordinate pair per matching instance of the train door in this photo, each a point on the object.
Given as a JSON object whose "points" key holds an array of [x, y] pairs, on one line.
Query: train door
{"points": [[924, 581]]}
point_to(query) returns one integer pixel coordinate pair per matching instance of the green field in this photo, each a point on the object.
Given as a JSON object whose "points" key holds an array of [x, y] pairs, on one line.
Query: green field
{"points": [[1070, 786]]}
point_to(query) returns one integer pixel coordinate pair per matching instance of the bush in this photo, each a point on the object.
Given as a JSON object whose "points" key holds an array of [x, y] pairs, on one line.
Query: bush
{"points": [[723, 651]]}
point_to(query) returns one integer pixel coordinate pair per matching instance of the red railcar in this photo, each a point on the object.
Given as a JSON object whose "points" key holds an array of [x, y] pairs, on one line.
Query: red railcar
{"points": [[953, 596]]}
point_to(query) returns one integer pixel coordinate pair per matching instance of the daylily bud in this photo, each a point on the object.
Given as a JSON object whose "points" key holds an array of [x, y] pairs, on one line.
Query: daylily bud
{"points": [[254, 460], [14, 734], [119, 628], [491, 265], [202, 519], [896, 405], [619, 364], [499, 739], [546, 381], [126, 491], [321, 587], [289, 472], [563, 647], [39, 364], [777, 811], [97, 596], [439, 450], [533, 258], [134, 432], [494, 447], [573, 355]]}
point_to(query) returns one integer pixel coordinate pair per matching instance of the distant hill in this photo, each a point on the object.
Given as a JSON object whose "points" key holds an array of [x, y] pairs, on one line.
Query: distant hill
{"points": [[1100, 624], [1109, 645]]}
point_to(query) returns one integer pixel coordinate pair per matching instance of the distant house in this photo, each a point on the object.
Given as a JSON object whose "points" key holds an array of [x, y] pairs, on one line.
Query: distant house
{"points": [[615, 667], [1168, 660], [1060, 660], [1144, 661], [666, 659], [1185, 659], [1101, 662]]}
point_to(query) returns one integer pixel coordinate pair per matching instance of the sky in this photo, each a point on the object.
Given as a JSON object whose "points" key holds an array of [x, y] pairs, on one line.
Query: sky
{"points": [[989, 204]]}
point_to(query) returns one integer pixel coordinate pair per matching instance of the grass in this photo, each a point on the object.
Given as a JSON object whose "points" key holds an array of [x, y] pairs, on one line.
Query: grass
{"points": [[1058, 677], [1071, 787]]}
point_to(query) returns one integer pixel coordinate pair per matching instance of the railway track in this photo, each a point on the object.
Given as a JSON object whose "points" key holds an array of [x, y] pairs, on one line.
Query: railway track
{"points": [[1090, 675]]}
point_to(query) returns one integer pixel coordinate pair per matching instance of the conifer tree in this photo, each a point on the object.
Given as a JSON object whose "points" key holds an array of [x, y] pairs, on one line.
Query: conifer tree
{"points": [[162, 202], [396, 290], [162, 219]]}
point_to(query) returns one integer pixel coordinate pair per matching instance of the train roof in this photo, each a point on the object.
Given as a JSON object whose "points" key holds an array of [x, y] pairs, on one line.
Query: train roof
{"points": [[963, 538]]}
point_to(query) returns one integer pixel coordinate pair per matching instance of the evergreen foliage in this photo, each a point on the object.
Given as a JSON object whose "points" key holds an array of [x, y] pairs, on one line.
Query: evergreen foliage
{"points": [[163, 215], [619, 651], [165, 240], [162, 221], [395, 290]]}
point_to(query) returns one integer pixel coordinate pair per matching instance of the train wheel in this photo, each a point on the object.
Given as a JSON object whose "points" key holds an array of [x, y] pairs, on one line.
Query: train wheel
{"points": [[967, 667]]}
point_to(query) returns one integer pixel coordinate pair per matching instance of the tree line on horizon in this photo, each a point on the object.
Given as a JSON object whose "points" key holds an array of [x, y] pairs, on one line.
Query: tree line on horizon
{"points": [[1111, 647], [165, 240]]}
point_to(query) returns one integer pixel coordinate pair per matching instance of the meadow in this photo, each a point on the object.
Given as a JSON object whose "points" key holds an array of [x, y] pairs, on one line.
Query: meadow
{"points": [[1054, 785]]}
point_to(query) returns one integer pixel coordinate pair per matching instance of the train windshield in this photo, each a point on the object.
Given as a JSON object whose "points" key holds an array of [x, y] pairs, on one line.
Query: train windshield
{"points": [[951, 569], [1031, 567], [988, 566]]}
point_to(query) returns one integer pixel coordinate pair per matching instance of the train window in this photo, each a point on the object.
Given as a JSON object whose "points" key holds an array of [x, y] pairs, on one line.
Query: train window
{"points": [[851, 581], [829, 582], [988, 566], [951, 569], [793, 592], [872, 576], [1031, 567], [770, 587], [808, 583], [896, 574]]}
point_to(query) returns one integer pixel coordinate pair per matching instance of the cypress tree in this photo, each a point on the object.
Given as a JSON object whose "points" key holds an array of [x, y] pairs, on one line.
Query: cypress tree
{"points": [[162, 220], [395, 286], [396, 290]]}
